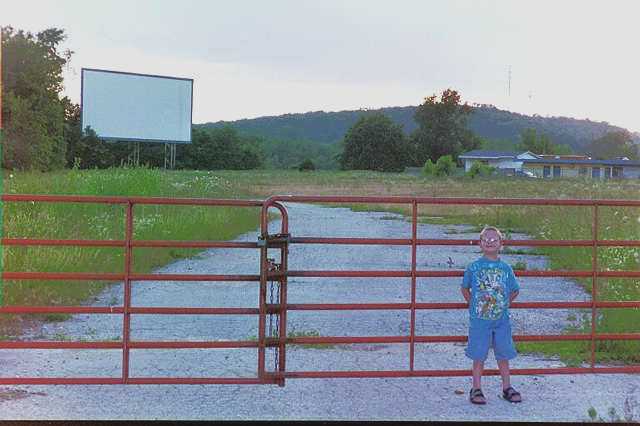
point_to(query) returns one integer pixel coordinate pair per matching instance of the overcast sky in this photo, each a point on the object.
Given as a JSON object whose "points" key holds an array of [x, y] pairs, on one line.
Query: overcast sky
{"points": [[253, 58]]}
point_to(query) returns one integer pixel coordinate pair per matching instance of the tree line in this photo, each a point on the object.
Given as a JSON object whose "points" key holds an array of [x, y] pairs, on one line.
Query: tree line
{"points": [[375, 142], [42, 129], [498, 126]]}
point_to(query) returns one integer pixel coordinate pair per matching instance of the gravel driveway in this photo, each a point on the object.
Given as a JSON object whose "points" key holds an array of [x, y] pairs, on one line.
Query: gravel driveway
{"points": [[546, 398]]}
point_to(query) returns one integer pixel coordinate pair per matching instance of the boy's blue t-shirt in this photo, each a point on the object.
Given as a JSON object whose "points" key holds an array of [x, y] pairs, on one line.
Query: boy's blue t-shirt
{"points": [[491, 283]]}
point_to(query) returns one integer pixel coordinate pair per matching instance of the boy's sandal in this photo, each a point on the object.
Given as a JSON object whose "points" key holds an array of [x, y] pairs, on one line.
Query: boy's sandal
{"points": [[510, 394], [476, 397]]}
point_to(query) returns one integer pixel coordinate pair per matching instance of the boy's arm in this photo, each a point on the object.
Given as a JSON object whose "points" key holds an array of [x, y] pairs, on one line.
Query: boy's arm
{"points": [[465, 289], [514, 285], [466, 285], [466, 293]]}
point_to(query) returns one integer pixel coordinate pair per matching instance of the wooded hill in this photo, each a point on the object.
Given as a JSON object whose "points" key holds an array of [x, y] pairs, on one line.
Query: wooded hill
{"points": [[487, 121]]}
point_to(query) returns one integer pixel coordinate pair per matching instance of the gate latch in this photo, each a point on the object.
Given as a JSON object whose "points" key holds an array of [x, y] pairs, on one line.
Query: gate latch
{"points": [[273, 240], [272, 266]]}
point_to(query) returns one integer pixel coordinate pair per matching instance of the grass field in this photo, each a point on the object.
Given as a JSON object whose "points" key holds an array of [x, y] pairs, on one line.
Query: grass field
{"points": [[94, 221]]}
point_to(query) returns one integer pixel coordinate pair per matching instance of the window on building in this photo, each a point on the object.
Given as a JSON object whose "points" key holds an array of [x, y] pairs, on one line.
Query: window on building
{"points": [[595, 172], [583, 171], [547, 171], [607, 172], [557, 171], [616, 172]]}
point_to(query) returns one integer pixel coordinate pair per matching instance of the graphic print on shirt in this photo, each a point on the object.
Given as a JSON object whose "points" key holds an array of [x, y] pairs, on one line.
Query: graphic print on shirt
{"points": [[490, 298]]}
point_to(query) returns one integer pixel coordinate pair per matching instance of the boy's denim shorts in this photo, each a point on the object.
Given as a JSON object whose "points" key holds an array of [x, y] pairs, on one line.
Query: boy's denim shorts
{"points": [[486, 334]]}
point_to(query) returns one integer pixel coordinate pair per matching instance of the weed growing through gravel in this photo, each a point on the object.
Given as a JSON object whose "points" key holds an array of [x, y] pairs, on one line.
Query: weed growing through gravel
{"points": [[292, 334], [630, 411]]}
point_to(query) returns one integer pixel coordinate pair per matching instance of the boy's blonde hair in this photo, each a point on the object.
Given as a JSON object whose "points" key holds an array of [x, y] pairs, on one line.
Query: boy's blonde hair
{"points": [[491, 228]]}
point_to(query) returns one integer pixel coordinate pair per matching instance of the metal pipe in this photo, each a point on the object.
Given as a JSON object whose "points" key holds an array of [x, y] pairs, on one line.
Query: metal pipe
{"points": [[412, 327], [126, 323]]}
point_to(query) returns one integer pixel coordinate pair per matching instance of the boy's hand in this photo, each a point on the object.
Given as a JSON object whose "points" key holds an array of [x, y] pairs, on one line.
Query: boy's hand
{"points": [[513, 296]]}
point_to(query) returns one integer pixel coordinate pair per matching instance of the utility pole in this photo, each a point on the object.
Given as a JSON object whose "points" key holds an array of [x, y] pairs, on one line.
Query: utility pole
{"points": [[509, 83]]}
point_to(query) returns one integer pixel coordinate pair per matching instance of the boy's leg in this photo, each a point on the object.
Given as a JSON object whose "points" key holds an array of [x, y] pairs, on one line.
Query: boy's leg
{"points": [[478, 367], [503, 366], [477, 349], [504, 351]]}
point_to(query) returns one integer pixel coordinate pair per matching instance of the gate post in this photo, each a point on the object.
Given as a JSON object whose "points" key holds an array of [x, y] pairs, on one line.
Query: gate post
{"points": [[262, 300], [271, 271], [282, 298]]}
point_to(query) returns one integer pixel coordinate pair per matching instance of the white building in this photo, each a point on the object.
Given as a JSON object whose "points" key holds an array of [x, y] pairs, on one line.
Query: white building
{"points": [[595, 169], [550, 166], [505, 161]]}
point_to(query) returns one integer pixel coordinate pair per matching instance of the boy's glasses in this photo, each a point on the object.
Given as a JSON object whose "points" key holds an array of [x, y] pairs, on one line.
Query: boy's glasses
{"points": [[490, 240]]}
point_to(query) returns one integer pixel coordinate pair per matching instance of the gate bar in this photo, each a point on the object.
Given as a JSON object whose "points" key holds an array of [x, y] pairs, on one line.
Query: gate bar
{"points": [[414, 237], [450, 273], [461, 242], [451, 200], [83, 276], [126, 323], [454, 373]]}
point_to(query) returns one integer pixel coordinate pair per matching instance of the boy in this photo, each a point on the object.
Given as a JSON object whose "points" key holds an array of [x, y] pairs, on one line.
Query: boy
{"points": [[489, 286]]}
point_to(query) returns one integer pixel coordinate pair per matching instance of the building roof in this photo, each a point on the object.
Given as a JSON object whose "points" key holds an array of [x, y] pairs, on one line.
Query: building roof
{"points": [[486, 155], [479, 153], [625, 163], [565, 157]]}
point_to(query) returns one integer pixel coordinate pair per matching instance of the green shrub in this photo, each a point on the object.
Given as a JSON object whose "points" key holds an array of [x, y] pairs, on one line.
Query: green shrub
{"points": [[306, 165], [479, 169], [429, 169], [445, 166]]}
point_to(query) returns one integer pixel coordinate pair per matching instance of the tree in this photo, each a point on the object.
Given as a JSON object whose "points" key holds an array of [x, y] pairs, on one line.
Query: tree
{"points": [[33, 111], [490, 144], [221, 148], [87, 151], [540, 143], [442, 128], [374, 142], [284, 154], [306, 165], [614, 144]]}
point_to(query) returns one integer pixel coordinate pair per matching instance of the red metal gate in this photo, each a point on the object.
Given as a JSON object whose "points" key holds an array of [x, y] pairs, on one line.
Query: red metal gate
{"points": [[277, 271]]}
